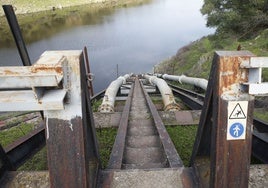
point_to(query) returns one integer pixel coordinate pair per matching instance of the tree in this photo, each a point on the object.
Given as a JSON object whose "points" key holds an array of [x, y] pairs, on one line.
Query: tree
{"points": [[242, 17]]}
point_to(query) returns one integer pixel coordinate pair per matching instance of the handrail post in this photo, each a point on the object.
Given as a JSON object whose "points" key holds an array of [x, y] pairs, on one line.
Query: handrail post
{"points": [[222, 150]]}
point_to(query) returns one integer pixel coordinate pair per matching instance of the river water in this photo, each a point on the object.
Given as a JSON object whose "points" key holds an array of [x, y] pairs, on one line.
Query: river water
{"points": [[134, 38]]}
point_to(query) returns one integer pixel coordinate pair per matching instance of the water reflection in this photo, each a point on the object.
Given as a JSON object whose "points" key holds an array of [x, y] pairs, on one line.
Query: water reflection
{"points": [[135, 38], [42, 25]]}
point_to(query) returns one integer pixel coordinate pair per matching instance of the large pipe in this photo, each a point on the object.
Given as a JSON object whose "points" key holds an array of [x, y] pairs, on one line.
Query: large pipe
{"points": [[199, 82], [167, 95], [110, 94]]}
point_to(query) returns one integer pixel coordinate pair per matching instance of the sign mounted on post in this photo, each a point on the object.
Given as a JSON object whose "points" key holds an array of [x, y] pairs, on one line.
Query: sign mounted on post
{"points": [[237, 120]]}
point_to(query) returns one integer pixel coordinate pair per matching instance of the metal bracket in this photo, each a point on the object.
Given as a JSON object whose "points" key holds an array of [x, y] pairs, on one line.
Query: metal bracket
{"points": [[255, 86], [36, 87]]}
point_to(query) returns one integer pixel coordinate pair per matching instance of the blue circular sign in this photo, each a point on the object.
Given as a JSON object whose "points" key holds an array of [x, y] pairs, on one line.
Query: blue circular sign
{"points": [[236, 130]]}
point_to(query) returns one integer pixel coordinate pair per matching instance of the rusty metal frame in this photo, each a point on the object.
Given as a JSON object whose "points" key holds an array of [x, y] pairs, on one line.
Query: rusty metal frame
{"points": [[14, 26], [218, 162], [20, 150], [169, 148], [73, 157], [88, 72], [5, 164], [116, 157]]}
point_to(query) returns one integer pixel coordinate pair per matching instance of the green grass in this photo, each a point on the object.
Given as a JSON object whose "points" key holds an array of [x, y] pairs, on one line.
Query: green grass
{"points": [[106, 138], [37, 163], [8, 136], [183, 138], [196, 58], [96, 104], [261, 114]]}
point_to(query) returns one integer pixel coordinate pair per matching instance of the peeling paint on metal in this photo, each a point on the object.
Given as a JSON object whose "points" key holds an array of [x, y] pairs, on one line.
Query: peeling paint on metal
{"points": [[71, 126], [47, 128]]}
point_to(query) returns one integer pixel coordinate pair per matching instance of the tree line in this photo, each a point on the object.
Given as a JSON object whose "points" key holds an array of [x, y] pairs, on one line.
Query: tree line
{"points": [[243, 18]]}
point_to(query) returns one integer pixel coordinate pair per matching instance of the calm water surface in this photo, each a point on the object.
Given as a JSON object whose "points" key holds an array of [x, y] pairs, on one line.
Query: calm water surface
{"points": [[135, 38]]}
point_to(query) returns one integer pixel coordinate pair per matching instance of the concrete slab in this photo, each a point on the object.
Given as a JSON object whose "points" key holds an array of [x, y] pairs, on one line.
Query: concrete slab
{"points": [[107, 120], [184, 117], [258, 176], [26, 179], [166, 178]]}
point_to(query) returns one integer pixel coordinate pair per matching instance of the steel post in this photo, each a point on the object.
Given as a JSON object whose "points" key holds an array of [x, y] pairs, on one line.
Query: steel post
{"points": [[14, 26], [72, 152], [222, 150]]}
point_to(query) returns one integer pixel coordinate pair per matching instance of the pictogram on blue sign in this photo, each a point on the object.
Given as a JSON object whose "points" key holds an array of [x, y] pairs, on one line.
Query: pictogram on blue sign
{"points": [[236, 130]]}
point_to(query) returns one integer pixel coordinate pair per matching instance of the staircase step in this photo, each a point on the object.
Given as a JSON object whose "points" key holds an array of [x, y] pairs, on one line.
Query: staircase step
{"points": [[145, 166], [143, 141], [160, 178], [140, 122], [143, 155], [141, 131]]}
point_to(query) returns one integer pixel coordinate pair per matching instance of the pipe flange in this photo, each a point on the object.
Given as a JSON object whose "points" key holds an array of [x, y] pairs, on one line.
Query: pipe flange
{"points": [[106, 108], [172, 107]]}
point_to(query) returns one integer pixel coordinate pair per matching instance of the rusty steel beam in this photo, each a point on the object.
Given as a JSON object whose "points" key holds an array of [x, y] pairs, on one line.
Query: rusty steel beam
{"points": [[22, 149], [169, 148], [5, 164], [91, 144], [98, 95], [14, 26], [88, 72], [260, 125], [223, 157], [191, 102], [260, 146], [116, 156], [73, 159]]}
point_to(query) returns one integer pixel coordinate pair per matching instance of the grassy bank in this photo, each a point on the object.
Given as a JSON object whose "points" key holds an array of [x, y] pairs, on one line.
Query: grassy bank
{"points": [[42, 21], [105, 138], [195, 59]]}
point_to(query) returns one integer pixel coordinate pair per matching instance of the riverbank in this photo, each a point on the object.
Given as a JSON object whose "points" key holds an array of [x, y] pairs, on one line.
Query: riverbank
{"points": [[43, 21], [195, 59], [32, 6]]}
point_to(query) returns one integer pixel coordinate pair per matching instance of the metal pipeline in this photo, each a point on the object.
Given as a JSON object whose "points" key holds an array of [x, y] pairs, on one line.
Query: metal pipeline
{"points": [[110, 94], [199, 82], [167, 95]]}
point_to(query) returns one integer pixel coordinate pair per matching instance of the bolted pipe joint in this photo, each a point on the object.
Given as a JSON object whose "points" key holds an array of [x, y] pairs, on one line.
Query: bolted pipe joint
{"points": [[172, 105], [106, 108]]}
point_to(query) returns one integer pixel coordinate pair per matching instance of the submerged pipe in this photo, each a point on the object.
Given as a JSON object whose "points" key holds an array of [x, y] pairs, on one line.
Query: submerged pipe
{"points": [[199, 82], [110, 94], [167, 95]]}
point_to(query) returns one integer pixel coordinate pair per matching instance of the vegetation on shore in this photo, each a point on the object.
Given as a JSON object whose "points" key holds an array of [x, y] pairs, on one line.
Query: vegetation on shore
{"points": [[31, 6], [239, 26], [42, 22], [195, 59]]}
